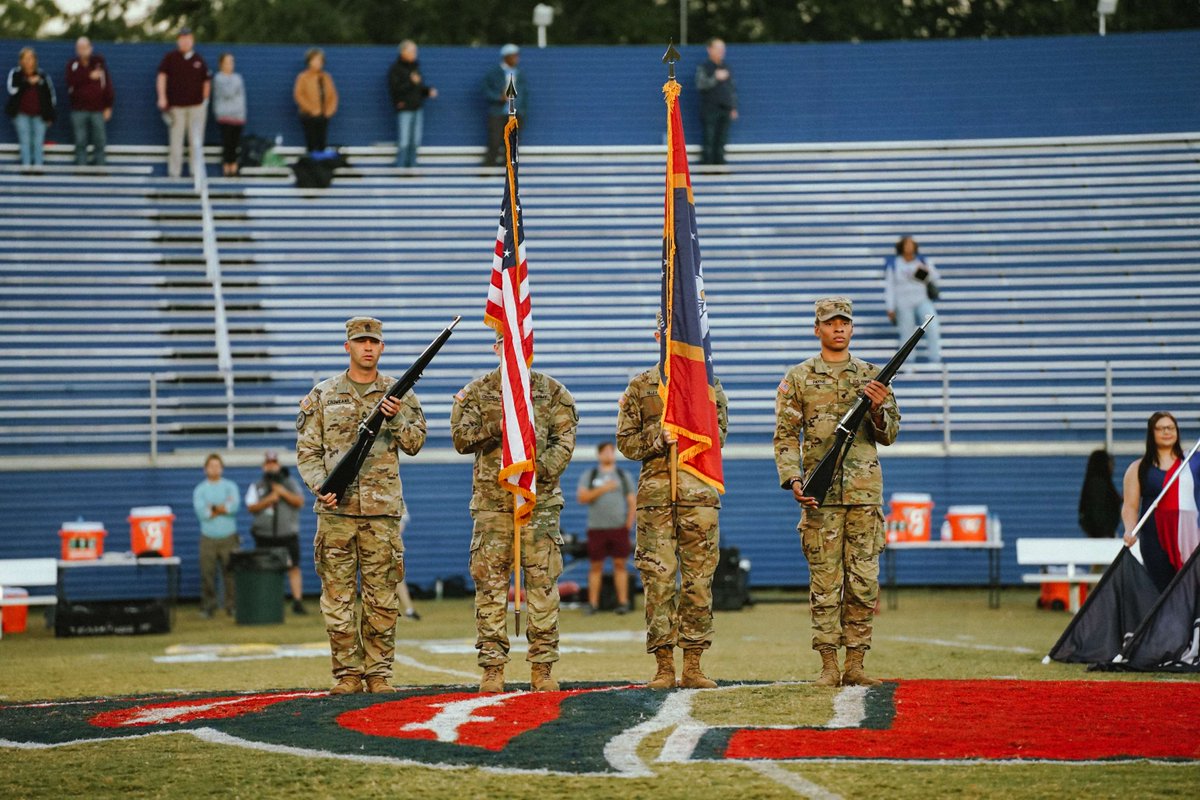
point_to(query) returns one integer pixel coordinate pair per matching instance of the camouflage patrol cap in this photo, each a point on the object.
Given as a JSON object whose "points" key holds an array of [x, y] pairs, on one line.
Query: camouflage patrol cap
{"points": [[829, 307], [364, 328]]}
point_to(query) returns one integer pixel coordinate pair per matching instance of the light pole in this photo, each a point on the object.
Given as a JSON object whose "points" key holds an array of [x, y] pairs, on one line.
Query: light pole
{"points": [[1103, 9], [543, 17]]}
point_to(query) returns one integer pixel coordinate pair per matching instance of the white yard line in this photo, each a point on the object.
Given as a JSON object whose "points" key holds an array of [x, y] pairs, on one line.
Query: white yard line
{"points": [[849, 708], [792, 780], [409, 661], [991, 648]]}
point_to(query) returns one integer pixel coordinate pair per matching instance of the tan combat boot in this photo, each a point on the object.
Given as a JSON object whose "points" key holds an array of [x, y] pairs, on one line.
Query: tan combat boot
{"points": [[540, 680], [378, 685], [692, 677], [351, 684], [493, 679], [664, 678], [854, 675], [830, 676]]}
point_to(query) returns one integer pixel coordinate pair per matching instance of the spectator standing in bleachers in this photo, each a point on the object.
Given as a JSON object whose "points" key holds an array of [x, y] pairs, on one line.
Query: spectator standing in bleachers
{"points": [[91, 92], [229, 108], [1170, 534], [316, 100], [1099, 500], [409, 92], [718, 102], [910, 287], [31, 105], [184, 84], [274, 500], [215, 500], [495, 82]]}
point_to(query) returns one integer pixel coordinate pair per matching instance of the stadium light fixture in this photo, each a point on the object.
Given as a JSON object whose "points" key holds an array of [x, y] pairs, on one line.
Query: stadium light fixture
{"points": [[1103, 9], [543, 17]]}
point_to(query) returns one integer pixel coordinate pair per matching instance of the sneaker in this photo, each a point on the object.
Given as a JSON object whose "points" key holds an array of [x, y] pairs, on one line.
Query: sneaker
{"points": [[589, 610], [298, 607], [412, 614], [206, 613], [622, 609]]}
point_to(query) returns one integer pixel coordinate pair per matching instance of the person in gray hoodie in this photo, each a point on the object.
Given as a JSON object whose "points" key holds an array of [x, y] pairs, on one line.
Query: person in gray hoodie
{"points": [[229, 108]]}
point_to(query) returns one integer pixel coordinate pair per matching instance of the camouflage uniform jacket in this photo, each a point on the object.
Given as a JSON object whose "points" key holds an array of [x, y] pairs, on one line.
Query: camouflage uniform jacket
{"points": [[327, 427], [475, 425], [810, 403], [639, 438]]}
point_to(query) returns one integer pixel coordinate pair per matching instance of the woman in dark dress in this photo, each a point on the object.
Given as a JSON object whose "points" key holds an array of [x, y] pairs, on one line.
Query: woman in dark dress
{"points": [[1099, 502], [1174, 519]]}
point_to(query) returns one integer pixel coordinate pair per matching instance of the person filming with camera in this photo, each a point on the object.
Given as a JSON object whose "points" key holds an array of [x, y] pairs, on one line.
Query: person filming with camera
{"points": [[910, 286], [274, 501]]}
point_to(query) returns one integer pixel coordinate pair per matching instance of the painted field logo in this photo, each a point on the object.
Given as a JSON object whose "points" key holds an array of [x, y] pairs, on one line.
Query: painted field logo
{"points": [[598, 729]]}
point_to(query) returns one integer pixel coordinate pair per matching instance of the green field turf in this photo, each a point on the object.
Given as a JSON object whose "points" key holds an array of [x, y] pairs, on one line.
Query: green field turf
{"points": [[949, 634]]}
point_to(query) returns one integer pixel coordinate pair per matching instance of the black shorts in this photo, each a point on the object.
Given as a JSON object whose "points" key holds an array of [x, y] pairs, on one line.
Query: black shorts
{"points": [[291, 544]]}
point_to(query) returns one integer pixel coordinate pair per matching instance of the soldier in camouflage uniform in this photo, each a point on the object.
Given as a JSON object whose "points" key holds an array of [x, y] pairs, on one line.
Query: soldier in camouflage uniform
{"points": [[843, 537], [475, 424], [360, 535], [679, 542]]}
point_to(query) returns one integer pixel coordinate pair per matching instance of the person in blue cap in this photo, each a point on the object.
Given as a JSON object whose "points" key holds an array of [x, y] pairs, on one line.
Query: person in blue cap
{"points": [[494, 84]]}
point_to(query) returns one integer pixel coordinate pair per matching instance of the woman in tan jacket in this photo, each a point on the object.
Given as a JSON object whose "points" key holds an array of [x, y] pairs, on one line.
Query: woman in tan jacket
{"points": [[316, 98]]}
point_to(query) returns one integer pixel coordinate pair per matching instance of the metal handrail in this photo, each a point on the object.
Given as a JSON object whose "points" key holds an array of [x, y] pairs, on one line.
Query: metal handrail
{"points": [[212, 264]]}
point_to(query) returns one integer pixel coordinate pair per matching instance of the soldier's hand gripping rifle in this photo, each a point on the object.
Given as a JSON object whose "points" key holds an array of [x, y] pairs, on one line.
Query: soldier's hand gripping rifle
{"points": [[821, 478], [348, 467]]}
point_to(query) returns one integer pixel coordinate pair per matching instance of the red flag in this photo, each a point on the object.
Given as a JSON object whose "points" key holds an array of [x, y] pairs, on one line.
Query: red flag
{"points": [[508, 312], [686, 382]]}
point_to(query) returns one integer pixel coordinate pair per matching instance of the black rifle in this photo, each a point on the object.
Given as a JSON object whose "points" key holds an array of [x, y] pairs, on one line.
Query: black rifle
{"points": [[347, 469], [821, 478]]}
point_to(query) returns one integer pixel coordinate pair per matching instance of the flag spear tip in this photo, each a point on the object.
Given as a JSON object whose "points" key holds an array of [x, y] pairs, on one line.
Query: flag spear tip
{"points": [[510, 91], [669, 58]]}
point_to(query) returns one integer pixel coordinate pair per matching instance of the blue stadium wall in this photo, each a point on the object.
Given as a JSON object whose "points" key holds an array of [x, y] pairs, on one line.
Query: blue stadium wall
{"points": [[913, 90], [1032, 497]]}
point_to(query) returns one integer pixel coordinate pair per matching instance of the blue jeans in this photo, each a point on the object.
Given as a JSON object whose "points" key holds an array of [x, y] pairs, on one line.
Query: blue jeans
{"points": [[88, 127], [409, 127], [909, 318], [31, 133]]}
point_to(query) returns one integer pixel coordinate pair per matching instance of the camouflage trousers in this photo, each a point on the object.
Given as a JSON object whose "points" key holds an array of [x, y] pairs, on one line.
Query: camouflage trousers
{"points": [[677, 562], [345, 549], [491, 568], [842, 545]]}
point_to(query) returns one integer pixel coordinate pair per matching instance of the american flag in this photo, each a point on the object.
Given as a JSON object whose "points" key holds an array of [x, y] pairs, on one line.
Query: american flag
{"points": [[508, 312]]}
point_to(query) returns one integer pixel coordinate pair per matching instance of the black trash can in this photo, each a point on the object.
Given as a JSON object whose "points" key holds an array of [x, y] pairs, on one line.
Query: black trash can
{"points": [[259, 579]]}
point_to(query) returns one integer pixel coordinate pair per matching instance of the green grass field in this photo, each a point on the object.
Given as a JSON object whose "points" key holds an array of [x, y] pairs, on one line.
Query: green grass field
{"points": [[947, 634]]}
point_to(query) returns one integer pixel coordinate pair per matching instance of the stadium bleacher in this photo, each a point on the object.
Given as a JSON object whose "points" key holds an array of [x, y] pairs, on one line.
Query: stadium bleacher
{"points": [[1058, 259], [1055, 181]]}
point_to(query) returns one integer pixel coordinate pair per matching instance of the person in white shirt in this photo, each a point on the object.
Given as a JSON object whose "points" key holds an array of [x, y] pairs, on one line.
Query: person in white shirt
{"points": [[910, 286]]}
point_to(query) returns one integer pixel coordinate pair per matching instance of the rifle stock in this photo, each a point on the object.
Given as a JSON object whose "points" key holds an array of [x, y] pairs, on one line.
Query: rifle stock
{"points": [[819, 481], [350, 464]]}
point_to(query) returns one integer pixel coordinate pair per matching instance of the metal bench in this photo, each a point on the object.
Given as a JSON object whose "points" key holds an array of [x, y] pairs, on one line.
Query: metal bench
{"points": [[1077, 555]]}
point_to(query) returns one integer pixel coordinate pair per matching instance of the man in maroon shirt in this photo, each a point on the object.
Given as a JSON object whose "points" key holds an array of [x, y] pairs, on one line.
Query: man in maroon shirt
{"points": [[184, 82], [90, 87]]}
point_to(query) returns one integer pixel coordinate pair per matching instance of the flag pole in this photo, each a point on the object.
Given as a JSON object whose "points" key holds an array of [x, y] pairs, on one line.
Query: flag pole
{"points": [[510, 91], [669, 58], [1137, 529]]}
